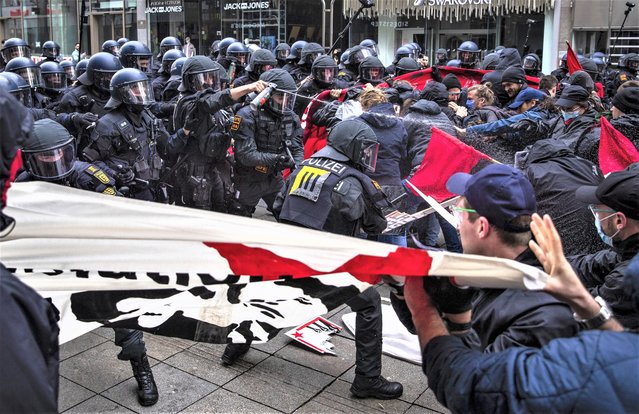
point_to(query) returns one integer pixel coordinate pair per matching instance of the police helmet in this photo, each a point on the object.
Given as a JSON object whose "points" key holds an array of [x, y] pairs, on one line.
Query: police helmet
{"points": [[371, 44], [111, 46], [282, 99], [122, 41], [100, 69], [352, 140], [310, 52], [406, 65], [601, 63], [324, 70], [224, 44], [215, 48], [223, 74], [296, 50], [356, 56], [238, 53], [16, 86], [416, 47], [134, 54], [261, 61], [343, 58], [15, 47], [441, 55], [600, 55], [26, 68], [282, 50], [199, 73], [252, 48], [371, 70], [168, 43], [132, 87], [531, 64], [176, 66], [402, 52], [81, 67], [53, 76], [69, 69], [48, 153], [564, 61], [468, 53], [454, 63], [168, 58], [50, 49], [630, 62]]}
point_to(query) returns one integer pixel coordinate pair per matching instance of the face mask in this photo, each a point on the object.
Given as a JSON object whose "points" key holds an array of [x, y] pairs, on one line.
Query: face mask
{"points": [[470, 104], [569, 115], [604, 237]]}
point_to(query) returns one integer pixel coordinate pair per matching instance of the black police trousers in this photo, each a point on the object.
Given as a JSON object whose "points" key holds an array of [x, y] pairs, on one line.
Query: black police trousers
{"points": [[132, 343], [368, 332]]}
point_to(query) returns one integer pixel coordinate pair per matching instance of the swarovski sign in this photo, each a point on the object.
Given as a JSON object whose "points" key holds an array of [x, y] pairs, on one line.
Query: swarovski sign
{"points": [[453, 2]]}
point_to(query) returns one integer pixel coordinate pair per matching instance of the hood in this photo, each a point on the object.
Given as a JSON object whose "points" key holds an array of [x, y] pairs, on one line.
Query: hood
{"points": [[436, 92], [628, 125], [426, 107], [381, 116], [509, 57], [548, 148]]}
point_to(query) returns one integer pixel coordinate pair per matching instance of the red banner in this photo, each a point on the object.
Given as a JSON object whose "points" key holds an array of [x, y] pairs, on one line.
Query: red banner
{"points": [[616, 152]]}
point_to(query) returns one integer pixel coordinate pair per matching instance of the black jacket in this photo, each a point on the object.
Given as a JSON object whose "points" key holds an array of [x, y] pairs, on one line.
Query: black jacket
{"points": [[580, 134]]}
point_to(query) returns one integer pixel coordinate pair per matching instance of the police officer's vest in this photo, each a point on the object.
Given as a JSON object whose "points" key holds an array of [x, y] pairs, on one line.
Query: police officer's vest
{"points": [[145, 162], [272, 133], [308, 199]]}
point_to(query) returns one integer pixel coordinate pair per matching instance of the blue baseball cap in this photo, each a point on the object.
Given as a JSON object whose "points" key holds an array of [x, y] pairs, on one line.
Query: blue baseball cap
{"points": [[498, 192], [526, 95]]}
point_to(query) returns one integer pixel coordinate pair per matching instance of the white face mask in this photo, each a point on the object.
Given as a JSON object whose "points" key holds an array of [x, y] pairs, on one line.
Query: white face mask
{"points": [[604, 237]]}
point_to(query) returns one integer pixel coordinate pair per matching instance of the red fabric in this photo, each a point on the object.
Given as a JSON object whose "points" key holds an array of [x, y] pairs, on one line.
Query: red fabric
{"points": [[616, 152], [571, 61], [467, 77], [14, 168], [445, 156], [600, 90]]}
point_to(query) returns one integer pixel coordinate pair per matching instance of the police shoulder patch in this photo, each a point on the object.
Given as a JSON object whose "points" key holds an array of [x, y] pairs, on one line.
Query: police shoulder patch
{"points": [[623, 77], [109, 191], [237, 120], [342, 187], [99, 174], [376, 184]]}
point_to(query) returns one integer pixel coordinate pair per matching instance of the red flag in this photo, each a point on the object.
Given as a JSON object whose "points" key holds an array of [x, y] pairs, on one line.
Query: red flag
{"points": [[616, 152], [445, 156], [571, 61]]}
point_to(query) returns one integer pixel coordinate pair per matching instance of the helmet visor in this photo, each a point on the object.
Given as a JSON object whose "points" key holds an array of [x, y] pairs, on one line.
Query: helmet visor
{"points": [[16, 51], [442, 56], [51, 164], [164, 49], [240, 57], [633, 63], [466, 56], [205, 80], [374, 74], [325, 75], [137, 93], [24, 96], [282, 102], [282, 53], [368, 155], [57, 81], [529, 63], [102, 79], [312, 56], [70, 72], [361, 55], [143, 63], [114, 50], [51, 52], [31, 76]]}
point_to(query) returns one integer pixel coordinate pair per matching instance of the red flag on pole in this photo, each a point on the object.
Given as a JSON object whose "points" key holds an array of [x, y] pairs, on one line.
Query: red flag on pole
{"points": [[616, 152], [445, 156], [572, 61]]}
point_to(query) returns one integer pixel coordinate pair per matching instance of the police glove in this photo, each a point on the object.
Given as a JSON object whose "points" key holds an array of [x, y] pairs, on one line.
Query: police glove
{"points": [[124, 176], [283, 162], [82, 121], [447, 297], [192, 121]]}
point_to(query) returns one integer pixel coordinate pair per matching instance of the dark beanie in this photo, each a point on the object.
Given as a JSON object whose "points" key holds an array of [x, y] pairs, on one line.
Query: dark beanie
{"points": [[514, 74], [436, 92], [451, 81], [627, 100]]}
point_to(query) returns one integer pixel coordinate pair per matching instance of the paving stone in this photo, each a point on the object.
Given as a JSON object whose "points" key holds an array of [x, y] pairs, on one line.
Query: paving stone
{"points": [[71, 394], [223, 401], [334, 365], [428, 400], [275, 344], [97, 368], [279, 384], [162, 347], [203, 361], [98, 404], [177, 390], [107, 333], [336, 310], [416, 409], [337, 398], [80, 344]]}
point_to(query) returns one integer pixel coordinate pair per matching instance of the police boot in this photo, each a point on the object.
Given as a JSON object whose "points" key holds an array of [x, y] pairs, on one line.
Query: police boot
{"points": [[376, 387], [233, 352], [147, 390]]}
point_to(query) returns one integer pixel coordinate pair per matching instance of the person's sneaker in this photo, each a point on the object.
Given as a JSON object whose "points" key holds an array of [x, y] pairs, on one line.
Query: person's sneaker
{"points": [[376, 387], [147, 390], [233, 352]]}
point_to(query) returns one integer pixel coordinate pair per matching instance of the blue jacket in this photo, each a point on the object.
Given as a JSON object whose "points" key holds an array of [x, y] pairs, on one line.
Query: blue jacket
{"points": [[502, 126], [594, 372]]}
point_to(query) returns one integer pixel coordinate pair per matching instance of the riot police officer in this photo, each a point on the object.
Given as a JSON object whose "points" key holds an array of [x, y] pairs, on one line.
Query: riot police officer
{"points": [[30, 72], [400, 53], [281, 53], [223, 46], [261, 60], [168, 43], [441, 57], [127, 141], [54, 82], [69, 69], [50, 52], [164, 73], [343, 200], [294, 55], [134, 54], [372, 71], [323, 76], [267, 140], [13, 48], [351, 68], [170, 92], [628, 66], [310, 52], [237, 55], [468, 54], [112, 47], [532, 64], [562, 71], [371, 45]]}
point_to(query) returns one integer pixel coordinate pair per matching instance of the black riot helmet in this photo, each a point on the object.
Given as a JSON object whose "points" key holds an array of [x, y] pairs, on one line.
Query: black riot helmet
{"points": [[215, 48], [225, 81], [100, 69], [324, 70], [310, 52], [281, 100], [564, 61], [122, 41], [134, 54], [53, 76], [199, 73], [343, 58], [281, 51], [238, 53], [168, 58], [15, 47], [468, 53], [261, 61], [49, 152], [50, 49], [26, 68], [357, 56], [441, 55], [81, 67], [176, 66], [402, 52], [352, 140], [406, 65], [131, 87], [371, 70], [531, 64], [168, 43], [296, 50], [111, 46], [630, 62], [590, 67], [16, 86], [69, 69], [370, 44], [224, 45]]}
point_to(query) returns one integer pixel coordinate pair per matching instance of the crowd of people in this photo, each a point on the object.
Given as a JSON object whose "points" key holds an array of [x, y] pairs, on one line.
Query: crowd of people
{"points": [[223, 131]]}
